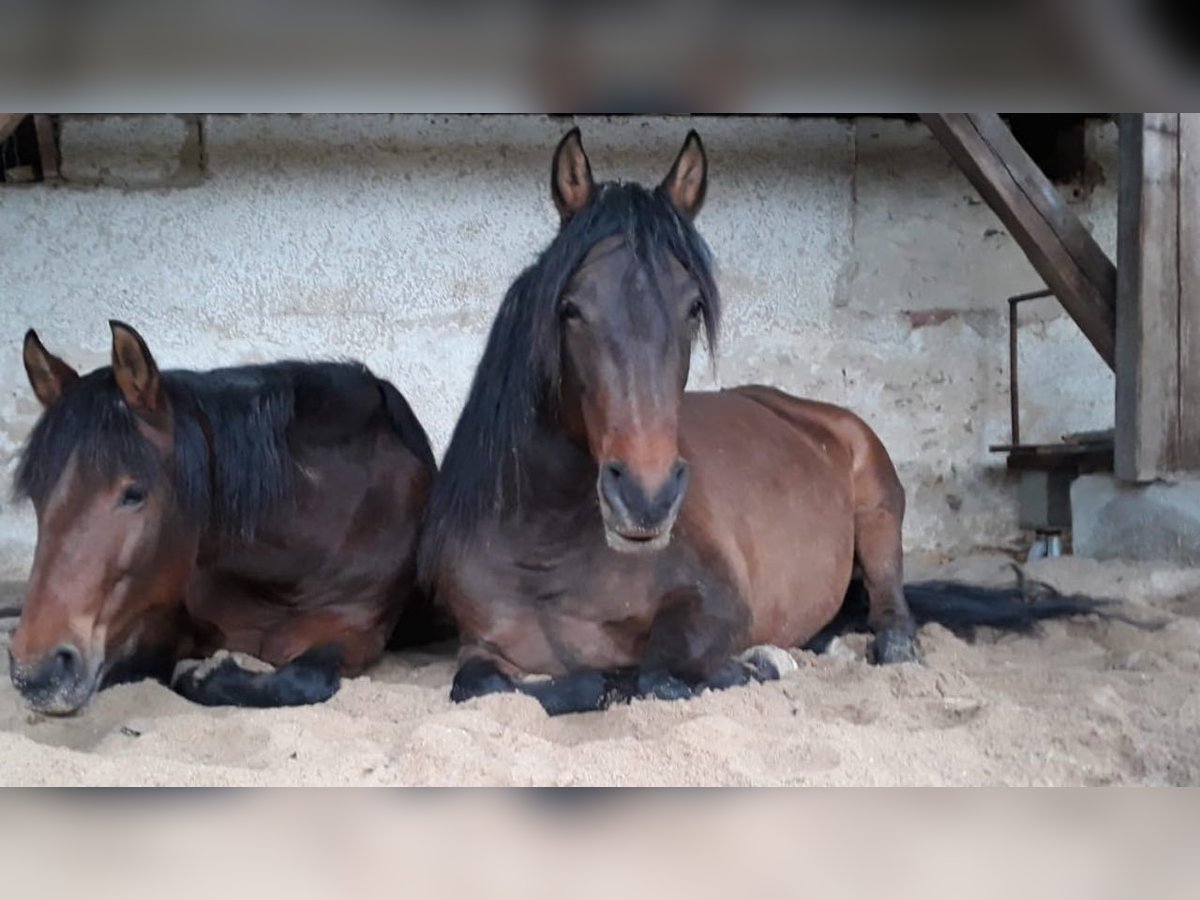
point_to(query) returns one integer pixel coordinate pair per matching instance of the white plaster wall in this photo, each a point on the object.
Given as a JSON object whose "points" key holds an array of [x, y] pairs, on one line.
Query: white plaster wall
{"points": [[229, 239]]}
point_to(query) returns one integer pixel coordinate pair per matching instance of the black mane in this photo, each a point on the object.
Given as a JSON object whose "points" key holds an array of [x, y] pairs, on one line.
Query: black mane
{"points": [[250, 416], [516, 383]]}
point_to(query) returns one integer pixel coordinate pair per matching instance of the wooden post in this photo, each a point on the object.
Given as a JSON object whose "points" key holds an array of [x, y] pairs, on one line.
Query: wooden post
{"points": [[1158, 297], [1189, 291], [47, 147], [1057, 244], [9, 123]]}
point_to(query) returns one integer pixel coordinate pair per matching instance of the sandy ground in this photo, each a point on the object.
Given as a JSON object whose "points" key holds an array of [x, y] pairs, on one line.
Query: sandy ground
{"points": [[1084, 702]]}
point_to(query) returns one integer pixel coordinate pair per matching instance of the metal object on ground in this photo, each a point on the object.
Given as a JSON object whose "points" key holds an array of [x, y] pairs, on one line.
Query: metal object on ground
{"points": [[1047, 544]]}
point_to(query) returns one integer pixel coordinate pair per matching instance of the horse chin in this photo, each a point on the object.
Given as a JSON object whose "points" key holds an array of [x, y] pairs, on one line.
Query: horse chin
{"points": [[62, 703], [626, 538], [640, 542]]}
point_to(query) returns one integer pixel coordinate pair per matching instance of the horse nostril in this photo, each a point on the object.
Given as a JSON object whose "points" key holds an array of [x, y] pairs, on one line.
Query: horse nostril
{"points": [[679, 471], [614, 486], [612, 478], [66, 663]]}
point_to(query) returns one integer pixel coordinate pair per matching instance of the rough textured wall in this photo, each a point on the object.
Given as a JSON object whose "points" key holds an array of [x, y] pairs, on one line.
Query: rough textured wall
{"points": [[857, 264]]}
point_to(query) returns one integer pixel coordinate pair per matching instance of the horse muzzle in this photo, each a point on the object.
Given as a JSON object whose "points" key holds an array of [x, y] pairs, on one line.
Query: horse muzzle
{"points": [[60, 683], [637, 520]]}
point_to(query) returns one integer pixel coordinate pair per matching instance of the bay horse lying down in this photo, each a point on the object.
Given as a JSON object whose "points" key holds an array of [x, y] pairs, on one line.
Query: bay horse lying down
{"points": [[272, 510], [596, 525]]}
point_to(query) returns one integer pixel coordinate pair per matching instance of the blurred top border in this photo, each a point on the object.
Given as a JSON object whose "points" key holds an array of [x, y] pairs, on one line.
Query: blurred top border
{"points": [[653, 56]]}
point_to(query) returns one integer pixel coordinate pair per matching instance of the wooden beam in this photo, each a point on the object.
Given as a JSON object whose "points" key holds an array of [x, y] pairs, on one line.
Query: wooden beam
{"points": [[1158, 297], [47, 147], [1057, 244], [9, 123], [1189, 291], [1090, 257]]}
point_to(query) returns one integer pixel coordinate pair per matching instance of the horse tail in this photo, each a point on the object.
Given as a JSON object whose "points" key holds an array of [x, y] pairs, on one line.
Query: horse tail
{"points": [[963, 608], [407, 425]]}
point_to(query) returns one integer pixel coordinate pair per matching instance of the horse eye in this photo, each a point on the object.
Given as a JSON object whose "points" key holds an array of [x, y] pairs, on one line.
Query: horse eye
{"points": [[695, 309], [569, 312], [133, 495]]}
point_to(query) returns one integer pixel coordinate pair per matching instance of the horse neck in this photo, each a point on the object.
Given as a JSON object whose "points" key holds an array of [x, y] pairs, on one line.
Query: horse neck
{"points": [[210, 537], [555, 472], [212, 419]]}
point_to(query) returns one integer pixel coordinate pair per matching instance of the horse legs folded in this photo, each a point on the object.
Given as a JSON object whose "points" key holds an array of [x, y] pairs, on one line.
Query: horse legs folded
{"points": [[312, 677], [587, 690], [689, 649], [591, 690], [312, 652], [762, 663], [758, 664]]}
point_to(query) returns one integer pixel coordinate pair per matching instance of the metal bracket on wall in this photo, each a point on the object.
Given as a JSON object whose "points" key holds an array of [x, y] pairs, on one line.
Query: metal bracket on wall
{"points": [[1046, 471], [1014, 395]]}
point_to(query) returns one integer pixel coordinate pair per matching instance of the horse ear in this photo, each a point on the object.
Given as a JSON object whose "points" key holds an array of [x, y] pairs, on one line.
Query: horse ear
{"points": [[687, 181], [137, 374], [571, 181], [48, 375]]}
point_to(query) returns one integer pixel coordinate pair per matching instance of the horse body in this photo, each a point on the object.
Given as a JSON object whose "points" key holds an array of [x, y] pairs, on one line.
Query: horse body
{"points": [[595, 523], [786, 539], [336, 566], [750, 561], [272, 510]]}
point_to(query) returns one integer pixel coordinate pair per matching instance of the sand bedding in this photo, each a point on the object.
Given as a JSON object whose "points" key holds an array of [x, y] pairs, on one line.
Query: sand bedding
{"points": [[1082, 702]]}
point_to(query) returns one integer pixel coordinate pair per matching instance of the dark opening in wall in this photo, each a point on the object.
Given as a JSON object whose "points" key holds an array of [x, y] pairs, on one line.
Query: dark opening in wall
{"points": [[1056, 142], [30, 153]]}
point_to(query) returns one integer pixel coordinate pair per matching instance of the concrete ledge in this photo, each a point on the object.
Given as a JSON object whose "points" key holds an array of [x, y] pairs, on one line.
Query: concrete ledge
{"points": [[131, 151], [1112, 519]]}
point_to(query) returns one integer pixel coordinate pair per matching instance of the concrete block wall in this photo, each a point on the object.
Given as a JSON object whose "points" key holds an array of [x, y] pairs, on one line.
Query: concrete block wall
{"points": [[857, 264]]}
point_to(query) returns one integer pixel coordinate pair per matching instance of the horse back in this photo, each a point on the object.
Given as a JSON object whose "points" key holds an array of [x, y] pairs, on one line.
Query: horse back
{"points": [[339, 402]]}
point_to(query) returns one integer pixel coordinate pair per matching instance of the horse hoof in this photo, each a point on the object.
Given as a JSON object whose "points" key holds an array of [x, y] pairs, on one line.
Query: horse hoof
{"points": [[892, 646], [769, 663]]}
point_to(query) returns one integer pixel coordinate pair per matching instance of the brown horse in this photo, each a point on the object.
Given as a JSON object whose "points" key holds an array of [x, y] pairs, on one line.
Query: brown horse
{"points": [[596, 524], [272, 510]]}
